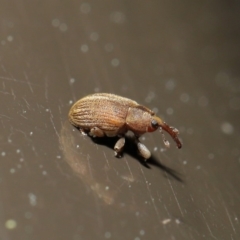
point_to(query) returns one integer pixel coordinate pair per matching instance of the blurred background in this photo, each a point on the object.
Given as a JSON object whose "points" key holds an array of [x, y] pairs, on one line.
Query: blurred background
{"points": [[179, 58]]}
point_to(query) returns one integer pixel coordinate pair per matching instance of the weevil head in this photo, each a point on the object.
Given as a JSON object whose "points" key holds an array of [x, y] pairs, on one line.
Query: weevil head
{"points": [[158, 123], [140, 120]]}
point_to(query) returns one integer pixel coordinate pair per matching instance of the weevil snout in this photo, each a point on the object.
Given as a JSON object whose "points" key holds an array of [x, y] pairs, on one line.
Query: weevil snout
{"points": [[172, 131]]}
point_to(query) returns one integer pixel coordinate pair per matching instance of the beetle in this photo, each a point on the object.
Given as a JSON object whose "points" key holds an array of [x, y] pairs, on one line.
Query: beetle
{"points": [[106, 114]]}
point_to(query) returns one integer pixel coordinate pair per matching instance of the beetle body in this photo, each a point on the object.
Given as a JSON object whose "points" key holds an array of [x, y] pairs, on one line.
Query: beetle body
{"points": [[104, 114]]}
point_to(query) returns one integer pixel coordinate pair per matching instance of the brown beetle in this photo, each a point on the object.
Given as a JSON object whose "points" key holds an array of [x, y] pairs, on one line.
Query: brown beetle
{"points": [[105, 114]]}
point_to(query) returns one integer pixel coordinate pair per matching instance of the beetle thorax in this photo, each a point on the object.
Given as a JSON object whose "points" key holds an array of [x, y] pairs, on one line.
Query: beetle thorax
{"points": [[138, 120]]}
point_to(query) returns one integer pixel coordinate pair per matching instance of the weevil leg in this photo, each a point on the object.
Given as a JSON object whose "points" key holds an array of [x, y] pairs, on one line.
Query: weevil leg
{"points": [[82, 131], [118, 148], [96, 132], [144, 152]]}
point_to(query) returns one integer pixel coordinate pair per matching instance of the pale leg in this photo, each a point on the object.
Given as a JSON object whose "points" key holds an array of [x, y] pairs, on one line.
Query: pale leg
{"points": [[144, 152], [119, 146], [96, 132]]}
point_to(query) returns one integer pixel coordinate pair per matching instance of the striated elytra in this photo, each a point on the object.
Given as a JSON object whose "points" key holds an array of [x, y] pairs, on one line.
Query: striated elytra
{"points": [[105, 114]]}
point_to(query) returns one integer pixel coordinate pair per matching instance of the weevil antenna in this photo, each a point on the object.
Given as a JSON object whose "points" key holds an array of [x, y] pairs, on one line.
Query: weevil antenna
{"points": [[173, 132], [166, 142]]}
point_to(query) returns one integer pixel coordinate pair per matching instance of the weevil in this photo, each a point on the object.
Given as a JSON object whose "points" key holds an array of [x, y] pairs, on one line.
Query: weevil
{"points": [[105, 114]]}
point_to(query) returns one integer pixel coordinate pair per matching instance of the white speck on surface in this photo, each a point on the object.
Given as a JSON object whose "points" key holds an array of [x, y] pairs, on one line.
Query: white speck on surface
{"points": [[211, 156], [94, 36], [72, 80], [203, 101], [137, 214], [155, 149], [85, 8], [169, 111], [84, 48], [107, 188], [136, 238], [55, 22], [198, 167], [143, 138], [10, 224], [122, 204], [184, 162], [96, 89], [227, 128], [162, 149], [77, 146], [142, 232], [44, 172], [177, 221], [117, 17], [155, 109], [18, 151], [58, 157], [184, 97], [115, 62], [63, 27], [21, 159], [70, 101], [47, 110], [12, 170], [3, 154], [32, 199], [166, 221], [107, 235], [170, 84], [10, 38], [31, 133], [150, 97], [28, 215], [108, 47]]}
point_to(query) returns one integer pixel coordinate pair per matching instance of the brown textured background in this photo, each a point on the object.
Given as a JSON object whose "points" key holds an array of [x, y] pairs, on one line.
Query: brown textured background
{"points": [[180, 58]]}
